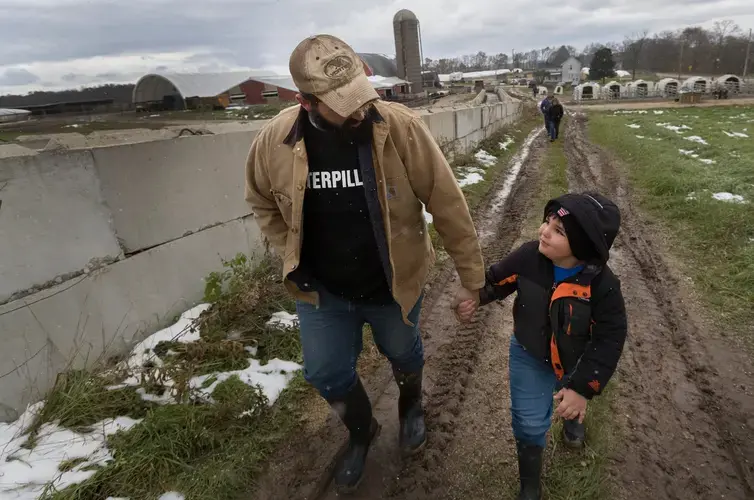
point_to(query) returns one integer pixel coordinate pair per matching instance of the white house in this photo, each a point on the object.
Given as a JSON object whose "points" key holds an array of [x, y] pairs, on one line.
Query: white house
{"points": [[571, 71]]}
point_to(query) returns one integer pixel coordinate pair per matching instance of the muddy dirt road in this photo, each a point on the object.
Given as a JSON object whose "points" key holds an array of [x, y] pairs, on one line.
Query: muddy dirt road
{"points": [[684, 400]]}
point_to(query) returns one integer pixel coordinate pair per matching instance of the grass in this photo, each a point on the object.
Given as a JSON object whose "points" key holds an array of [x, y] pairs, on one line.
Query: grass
{"points": [[582, 474], [205, 451], [713, 239], [569, 474]]}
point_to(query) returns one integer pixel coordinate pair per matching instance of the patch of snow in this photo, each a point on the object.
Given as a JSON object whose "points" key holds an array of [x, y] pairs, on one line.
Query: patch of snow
{"points": [[24, 474], [640, 137], [688, 152], [486, 159], [508, 142], [678, 129], [181, 331], [735, 134], [707, 161], [172, 495], [729, 197], [283, 320], [697, 139], [633, 125], [154, 116], [470, 178], [658, 112], [272, 378]]}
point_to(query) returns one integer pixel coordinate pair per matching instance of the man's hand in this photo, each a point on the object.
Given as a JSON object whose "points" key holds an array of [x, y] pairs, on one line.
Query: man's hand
{"points": [[465, 304], [571, 405]]}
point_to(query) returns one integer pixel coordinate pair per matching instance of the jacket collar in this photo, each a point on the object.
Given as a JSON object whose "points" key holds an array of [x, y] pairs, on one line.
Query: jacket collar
{"points": [[297, 131]]}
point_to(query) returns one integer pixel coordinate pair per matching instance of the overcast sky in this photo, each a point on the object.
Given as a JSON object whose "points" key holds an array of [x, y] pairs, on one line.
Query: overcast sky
{"points": [[53, 44]]}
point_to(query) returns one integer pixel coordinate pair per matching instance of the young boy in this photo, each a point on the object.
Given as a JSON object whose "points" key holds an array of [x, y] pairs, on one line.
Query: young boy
{"points": [[569, 323]]}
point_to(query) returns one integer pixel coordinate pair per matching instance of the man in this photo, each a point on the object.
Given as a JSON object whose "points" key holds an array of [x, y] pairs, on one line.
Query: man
{"points": [[544, 107], [337, 186]]}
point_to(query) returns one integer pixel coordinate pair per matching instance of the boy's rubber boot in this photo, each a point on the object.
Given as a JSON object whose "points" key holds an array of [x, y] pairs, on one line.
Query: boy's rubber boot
{"points": [[355, 411], [573, 434], [413, 433], [530, 470]]}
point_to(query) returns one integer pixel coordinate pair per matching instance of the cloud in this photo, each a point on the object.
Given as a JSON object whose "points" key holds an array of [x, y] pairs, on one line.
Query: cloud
{"points": [[17, 76], [52, 38]]}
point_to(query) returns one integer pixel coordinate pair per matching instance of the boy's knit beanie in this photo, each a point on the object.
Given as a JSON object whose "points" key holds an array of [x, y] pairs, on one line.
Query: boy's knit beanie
{"points": [[581, 245]]}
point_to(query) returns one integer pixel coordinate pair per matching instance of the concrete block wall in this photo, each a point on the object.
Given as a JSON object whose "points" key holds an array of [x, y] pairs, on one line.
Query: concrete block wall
{"points": [[162, 190], [460, 130], [101, 247], [53, 220]]}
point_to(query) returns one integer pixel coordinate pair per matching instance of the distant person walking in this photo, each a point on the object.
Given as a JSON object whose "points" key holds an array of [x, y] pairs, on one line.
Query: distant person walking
{"points": [[556, 114], [535, 90], [544, 108], [337, 186]]}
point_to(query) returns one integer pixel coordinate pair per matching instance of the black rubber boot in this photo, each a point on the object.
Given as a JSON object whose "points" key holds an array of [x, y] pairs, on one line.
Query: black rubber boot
{"points": [[413, 433], [355, 411], [573, 433], [530, 470]]}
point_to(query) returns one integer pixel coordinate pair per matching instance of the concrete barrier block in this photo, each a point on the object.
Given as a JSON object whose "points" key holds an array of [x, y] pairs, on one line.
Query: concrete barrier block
{"points": [[468, 121], [442, 125], [162, 190], [53, 221], [29, 363], [104, 312]]}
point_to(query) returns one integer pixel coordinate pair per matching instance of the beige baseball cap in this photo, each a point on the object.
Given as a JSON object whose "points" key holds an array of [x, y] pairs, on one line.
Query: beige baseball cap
{"points": [[328, 68]]}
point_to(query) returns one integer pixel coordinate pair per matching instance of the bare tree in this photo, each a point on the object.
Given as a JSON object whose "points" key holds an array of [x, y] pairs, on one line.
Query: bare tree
{"points": [[721, 30], [632, 48]]}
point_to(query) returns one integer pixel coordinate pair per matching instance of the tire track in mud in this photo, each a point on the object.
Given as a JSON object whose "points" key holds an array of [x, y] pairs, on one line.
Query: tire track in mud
{"points": [[682, 397], [456, 362]]}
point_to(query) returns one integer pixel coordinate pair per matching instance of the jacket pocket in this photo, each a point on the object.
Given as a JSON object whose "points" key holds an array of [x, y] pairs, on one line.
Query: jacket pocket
{"points": [[404, 207], [574, 333], [285, 204]]}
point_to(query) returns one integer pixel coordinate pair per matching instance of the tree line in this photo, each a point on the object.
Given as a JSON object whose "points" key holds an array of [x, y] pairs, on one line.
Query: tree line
{"points": [[121, 93], [716, 51]]}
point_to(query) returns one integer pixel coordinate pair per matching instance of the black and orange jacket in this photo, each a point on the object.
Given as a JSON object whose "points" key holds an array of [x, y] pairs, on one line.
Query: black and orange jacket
{"points": [[578, 326]]}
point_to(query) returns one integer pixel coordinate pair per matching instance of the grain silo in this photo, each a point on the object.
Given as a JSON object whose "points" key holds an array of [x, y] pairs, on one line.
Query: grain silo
{"points": [[408, 53]]}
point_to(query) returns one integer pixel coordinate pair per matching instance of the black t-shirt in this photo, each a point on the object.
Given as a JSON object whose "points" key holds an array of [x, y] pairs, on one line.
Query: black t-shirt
{"points": [[339, 248]]}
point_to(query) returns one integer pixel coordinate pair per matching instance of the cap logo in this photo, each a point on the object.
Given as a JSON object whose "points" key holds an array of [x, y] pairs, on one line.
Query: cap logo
{"points": [[562, 212], [337, 67]]}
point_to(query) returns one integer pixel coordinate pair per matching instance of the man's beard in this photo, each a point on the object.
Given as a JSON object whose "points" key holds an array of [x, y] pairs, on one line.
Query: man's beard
{"points": [[350, 130]]}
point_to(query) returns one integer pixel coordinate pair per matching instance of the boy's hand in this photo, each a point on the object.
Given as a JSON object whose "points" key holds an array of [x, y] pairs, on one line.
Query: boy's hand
{"points": [[465, 304], [465, 311], [571, 405]]}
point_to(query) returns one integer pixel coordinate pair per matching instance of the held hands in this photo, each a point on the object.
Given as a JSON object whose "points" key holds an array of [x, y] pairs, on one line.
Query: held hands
{"points": [[465, 304], [571, 405]]}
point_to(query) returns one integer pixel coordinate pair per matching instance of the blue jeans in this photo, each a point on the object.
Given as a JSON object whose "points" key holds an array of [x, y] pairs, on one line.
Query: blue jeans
{"points": [[331, 338], [532, 383], [552, 129]]}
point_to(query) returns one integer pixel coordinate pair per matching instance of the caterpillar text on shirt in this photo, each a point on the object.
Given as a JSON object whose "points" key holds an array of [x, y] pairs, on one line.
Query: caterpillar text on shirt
{"points": [[334, 179]]}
